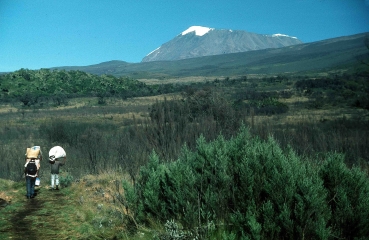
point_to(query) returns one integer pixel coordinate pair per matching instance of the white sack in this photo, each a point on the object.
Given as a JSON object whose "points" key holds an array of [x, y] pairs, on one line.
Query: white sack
{"points": [[57, 152]]}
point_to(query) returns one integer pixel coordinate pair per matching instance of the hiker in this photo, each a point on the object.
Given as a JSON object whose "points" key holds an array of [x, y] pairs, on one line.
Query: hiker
{"points": [[34, 152], [57, 158], [31, 168]]}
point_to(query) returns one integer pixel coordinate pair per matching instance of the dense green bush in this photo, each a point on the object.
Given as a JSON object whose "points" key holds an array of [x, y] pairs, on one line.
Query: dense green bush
{"points": [[66, 179], [262, 103], [350, 90], [31, 86], [252, 189], [267, 106], [348, 198]]}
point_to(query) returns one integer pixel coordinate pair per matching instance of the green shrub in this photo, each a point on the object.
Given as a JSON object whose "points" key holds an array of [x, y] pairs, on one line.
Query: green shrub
{"points": [[253, 189], [66, 179], [257, 189], [348, 198]]}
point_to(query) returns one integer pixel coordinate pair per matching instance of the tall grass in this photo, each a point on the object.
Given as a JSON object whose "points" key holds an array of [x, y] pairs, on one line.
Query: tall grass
{"points": [[122, 135]]}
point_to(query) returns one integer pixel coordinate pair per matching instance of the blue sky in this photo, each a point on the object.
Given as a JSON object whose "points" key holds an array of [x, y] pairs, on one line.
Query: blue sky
{"points": [[38, 34]]}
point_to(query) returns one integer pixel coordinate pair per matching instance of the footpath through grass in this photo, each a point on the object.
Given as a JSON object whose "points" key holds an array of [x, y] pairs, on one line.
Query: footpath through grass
{"points": [[47, 216], [87, 209]]}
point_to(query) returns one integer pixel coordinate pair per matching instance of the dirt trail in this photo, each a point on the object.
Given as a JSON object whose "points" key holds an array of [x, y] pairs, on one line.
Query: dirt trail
{"points": [[38, 217], [21, 225]]}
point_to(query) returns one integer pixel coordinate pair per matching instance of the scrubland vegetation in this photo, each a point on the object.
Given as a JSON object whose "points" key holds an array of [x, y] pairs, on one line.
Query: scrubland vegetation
{"points": [[271, 157]]}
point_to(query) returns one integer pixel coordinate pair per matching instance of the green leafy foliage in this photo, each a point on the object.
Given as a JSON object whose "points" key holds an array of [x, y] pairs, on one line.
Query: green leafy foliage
{"points": [[262, 102], [268, 106], [351, 90], [29, 86], [66, 179], [256, 188], [348, 198]]}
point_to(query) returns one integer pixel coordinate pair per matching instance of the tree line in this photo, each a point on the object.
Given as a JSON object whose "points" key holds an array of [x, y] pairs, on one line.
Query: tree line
{"points": [[37, 87]]}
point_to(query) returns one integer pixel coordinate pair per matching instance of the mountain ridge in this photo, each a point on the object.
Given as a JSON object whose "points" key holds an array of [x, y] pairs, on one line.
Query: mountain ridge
{"points": [[325, 54], [198, 41]]}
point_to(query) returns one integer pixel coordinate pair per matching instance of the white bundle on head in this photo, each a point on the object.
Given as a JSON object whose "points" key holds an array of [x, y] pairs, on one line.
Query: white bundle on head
{"points": [[56, 152]]}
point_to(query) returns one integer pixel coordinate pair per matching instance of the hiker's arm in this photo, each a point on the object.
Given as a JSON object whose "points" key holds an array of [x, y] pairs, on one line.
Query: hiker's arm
{"points": [[63, 162], [25, 167]]}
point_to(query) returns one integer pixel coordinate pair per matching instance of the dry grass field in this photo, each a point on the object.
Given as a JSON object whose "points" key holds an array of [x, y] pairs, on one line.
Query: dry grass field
{"points": [[81, 110]]}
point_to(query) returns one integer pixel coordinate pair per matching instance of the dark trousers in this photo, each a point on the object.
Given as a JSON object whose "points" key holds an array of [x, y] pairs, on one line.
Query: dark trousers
{"points": [[30, 182]]}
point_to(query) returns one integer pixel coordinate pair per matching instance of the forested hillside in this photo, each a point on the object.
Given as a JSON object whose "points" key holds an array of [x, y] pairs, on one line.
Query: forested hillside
{"points": [[35, 87]]}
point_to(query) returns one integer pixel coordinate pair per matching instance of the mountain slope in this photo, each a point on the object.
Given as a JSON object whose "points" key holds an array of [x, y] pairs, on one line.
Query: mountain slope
{"points": [[200, 41], [327, 54]]}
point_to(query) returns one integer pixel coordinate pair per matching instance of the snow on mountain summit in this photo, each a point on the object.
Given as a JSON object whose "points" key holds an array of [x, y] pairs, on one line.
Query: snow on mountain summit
{"points": [[199, 30], [198, 41], [282, 35]]}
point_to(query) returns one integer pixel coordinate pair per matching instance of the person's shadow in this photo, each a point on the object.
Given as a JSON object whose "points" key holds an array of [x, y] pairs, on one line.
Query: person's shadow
{"points": [[36, 191]]}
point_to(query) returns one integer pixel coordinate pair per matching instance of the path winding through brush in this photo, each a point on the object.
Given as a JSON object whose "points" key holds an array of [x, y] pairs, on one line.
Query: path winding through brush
{"points": [[37, 219]]}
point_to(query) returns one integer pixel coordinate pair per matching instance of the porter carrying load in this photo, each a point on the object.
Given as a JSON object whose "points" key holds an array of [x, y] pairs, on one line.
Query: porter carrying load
{"points": [[56, 153], [33, 152]]}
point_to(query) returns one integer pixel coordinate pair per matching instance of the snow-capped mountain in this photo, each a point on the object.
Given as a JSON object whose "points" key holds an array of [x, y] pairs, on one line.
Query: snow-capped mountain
{"points": [[198, 41]]}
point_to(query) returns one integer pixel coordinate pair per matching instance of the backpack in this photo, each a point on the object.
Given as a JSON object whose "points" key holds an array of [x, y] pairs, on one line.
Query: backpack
{"points": [[31, 168]]}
